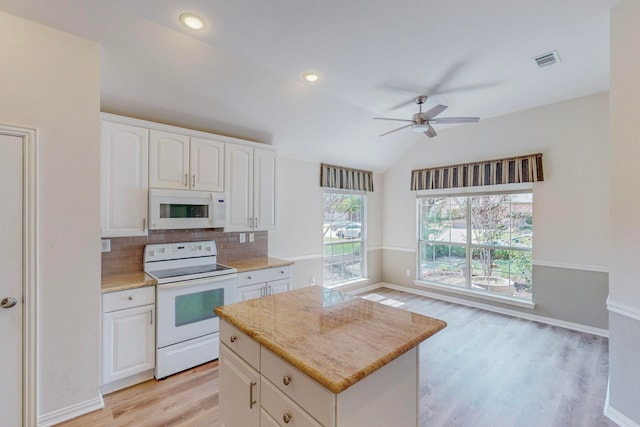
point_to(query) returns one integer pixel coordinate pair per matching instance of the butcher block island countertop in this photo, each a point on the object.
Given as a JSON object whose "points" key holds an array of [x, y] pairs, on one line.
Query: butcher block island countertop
{"points": [[334, 338]]}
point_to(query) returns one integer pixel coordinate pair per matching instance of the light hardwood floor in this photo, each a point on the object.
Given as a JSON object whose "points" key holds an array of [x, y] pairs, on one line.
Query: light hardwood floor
{"points": [[484, 369]]}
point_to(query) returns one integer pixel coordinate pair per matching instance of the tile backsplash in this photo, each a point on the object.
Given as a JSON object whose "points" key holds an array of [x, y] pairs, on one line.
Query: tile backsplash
{"points": [[127, 252]]}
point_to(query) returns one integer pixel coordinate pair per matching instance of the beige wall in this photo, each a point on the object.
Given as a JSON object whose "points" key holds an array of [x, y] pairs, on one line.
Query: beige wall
{"points": [[300, 219], [624, 295], [50, 81], [571, 215]]}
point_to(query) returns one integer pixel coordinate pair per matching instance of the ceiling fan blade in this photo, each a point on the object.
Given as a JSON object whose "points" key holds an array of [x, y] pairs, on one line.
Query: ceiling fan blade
{"points": [[451, 120], [430, 132], [432, 112], [393, 120], [395, 130]]}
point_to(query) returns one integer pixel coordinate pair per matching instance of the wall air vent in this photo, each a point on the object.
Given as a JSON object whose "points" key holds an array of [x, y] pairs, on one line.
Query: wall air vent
{"points": [[547, 59]]}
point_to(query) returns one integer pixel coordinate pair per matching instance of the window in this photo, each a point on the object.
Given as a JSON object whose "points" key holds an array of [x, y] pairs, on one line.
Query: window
{"points": [[478, 242], [343, 237]]}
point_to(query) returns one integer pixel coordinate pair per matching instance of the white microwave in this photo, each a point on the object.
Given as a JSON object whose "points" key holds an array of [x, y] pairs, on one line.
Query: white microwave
{"points": [[177, 209]]}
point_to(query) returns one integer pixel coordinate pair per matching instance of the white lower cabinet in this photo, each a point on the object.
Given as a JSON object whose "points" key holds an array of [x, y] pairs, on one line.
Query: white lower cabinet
{"points": [[260, 283], [128, 338], [258, 388]]}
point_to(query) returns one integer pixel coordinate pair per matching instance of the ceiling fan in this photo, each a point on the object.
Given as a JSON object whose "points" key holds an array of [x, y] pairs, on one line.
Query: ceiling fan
{"points": [[421, 122]]}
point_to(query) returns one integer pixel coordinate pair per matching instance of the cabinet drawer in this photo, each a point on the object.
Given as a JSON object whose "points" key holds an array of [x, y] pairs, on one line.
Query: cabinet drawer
{"points": [[283, 410], [128, 299], [240, 343], [315, 399], [264, 275]]}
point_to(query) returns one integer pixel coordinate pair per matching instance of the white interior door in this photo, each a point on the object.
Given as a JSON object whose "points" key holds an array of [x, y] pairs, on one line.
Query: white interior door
{"points": [[11, 279]]}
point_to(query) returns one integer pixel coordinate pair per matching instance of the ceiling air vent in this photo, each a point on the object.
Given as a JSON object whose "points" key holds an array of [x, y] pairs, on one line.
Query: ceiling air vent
{"points": [[547, 59]]}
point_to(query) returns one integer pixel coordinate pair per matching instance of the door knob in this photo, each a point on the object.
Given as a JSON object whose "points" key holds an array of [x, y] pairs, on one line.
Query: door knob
{"points": [[8, 302]]}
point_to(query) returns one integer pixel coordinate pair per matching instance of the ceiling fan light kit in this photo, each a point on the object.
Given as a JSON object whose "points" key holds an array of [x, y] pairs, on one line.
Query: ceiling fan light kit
{"points": [[421, 122]]}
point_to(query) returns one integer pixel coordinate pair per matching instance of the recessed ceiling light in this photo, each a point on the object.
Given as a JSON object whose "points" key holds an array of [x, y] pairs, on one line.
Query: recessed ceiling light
{"points": [[192, 21], [311, 77]]}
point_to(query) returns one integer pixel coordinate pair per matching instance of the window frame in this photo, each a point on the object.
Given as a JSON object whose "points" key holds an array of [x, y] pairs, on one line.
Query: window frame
{"points": [[362, 239], [468, 192]]}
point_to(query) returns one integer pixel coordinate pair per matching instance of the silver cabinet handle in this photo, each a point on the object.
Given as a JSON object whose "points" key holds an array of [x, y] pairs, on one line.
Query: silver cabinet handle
{"points": [[8, 302], [281, 271], [130, 298], [232, 338], [186, 182], [144, 224], [286, 417], [251, 400], [151, 316], [249, 277], [255, 222], [193, 180], [286, 379], [269, 290]]}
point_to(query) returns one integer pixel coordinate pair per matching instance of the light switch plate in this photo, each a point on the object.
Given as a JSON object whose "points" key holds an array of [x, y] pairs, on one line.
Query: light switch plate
{"points": [[105, 245], [243, 237], [251, 237]]}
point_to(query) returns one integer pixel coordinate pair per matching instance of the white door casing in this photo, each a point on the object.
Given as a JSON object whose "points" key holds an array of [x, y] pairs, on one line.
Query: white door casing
{"points": [[18, 226]]}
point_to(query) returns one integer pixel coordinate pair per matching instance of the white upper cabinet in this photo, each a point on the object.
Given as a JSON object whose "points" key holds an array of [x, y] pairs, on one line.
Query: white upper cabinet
{"points": [[168, 160], [207, 165], [250, 176], [124, 180], [180, 162]]}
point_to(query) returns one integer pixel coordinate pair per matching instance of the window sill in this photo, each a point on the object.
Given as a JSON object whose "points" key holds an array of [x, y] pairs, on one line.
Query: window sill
{"points": [[477, 294], [355, 282]]}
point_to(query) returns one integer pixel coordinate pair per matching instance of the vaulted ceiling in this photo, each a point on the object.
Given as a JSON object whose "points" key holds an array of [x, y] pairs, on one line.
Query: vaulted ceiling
{"points": [[242, 75]]}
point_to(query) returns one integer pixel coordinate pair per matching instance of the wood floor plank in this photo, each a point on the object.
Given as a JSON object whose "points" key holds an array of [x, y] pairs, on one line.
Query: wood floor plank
{"points": [[484, 369]]}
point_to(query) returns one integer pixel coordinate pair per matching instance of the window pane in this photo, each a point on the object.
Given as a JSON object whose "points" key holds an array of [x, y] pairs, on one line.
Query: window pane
{"points": [[490, 220], [522, 220], [443, 264], [444, 219], [343, 236]]}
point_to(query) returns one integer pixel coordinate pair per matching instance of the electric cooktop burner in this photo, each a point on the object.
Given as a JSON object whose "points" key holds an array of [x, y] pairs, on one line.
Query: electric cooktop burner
{"points": [[186, 271]]}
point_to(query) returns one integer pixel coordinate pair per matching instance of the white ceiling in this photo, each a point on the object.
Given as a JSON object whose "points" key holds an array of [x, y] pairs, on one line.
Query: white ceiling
{"points": [[241, 76]]}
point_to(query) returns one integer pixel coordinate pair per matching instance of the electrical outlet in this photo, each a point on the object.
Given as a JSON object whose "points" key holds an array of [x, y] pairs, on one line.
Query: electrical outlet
{"points": [[105, 245], [312, 280], [243, 237], [408, 272], [252, 237]]}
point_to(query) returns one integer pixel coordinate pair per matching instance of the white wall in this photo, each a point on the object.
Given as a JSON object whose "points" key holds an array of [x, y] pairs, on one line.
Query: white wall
{"points": [[300, 219], [624, 287], [50, 81]]}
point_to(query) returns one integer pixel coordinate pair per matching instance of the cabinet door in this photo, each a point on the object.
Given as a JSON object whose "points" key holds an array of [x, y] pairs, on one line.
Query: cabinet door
{"points": [[265, 189], [128, 342], [207, 165], [239, 184], [252, 291], [124, 180], [278, 286], [239, 395], [168, 160]]}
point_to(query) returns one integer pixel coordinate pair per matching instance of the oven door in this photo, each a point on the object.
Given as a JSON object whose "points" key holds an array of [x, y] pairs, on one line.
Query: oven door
{"points": [[185, 309]]}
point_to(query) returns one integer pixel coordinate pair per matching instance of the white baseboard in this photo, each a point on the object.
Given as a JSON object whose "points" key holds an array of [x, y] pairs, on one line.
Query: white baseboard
{"points": [[513, 313], [616, 416], [73, 411]]}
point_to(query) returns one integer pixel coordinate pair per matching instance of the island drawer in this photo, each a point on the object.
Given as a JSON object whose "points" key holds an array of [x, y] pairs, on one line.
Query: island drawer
{"points": [[130, 298], [240, 343], [282, 409], [265, 275], [315, 399]]}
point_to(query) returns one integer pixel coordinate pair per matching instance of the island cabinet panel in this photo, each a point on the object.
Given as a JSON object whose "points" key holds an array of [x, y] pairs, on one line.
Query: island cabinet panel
{"points": [[240, 400]]}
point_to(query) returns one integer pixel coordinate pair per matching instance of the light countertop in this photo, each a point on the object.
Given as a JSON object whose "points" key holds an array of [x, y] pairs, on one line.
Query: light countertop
{"points": [[257, 264], [334, 338], [121, 282]]}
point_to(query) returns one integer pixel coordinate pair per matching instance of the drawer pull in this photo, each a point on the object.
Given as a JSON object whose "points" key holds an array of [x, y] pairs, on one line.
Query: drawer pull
{"points": [[251, 400], [286, 417], [130, 298], [286, 379], [249, 277], [232, 338], [281, 271]]}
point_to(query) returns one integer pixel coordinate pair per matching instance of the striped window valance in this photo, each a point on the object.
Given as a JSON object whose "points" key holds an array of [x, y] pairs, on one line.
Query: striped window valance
{"points": [[345, 178], [527, 168]]}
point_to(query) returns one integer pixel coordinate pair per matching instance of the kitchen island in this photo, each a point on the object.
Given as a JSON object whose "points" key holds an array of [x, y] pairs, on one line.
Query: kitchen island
{"points": [[318, 357]]}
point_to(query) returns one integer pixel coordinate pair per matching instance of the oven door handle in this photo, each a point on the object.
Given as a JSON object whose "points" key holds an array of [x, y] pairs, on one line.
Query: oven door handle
{"points": [[196, 282]]}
